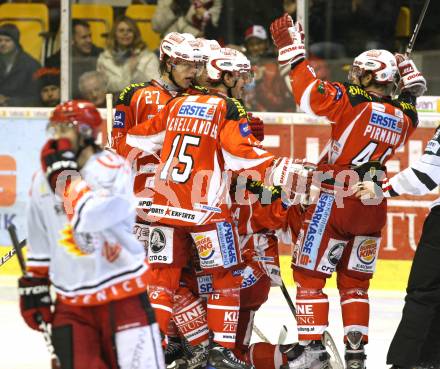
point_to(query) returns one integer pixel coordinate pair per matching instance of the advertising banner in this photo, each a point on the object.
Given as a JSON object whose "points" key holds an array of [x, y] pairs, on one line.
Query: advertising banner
{"points": [[23, 134]]}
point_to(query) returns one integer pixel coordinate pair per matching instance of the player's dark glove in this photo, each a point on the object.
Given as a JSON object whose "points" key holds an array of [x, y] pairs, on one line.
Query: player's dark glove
{"points": [[35, 301], [58, 156], [257, 127]]}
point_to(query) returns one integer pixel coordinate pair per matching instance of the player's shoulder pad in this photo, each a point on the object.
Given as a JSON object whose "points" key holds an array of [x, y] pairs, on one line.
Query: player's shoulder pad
{"points": [[433, 146], [235, 109], [357, 95], [127, 93], [407, 103]]}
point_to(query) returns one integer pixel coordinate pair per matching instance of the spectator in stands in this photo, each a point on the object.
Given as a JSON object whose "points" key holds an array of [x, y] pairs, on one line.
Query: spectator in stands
{"points": [[198, 17], [256, 43], [92, 87], [48, 80], [84, 53], [236, 19], [126, 59], [269, 90], [17, 88]]}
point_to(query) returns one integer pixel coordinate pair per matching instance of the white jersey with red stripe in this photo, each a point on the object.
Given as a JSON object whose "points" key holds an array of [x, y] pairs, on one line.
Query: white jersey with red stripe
{"points": [[89, 254]]}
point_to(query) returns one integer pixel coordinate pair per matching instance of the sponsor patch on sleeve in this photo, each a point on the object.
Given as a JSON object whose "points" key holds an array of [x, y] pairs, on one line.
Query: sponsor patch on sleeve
{"points": [[119, 121], [338, 92], [245, 130]]}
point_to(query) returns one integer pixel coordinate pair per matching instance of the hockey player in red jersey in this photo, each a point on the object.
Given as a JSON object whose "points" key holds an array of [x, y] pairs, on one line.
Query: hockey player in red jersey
{"points": [[367, 128], [139, 102], [102, 317], [202, 136]]}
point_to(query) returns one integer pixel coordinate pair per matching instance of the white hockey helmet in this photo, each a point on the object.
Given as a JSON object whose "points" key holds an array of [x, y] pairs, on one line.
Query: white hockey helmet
{"points": [[227, 60], [206, 47], [176, 46], [381, 63]]}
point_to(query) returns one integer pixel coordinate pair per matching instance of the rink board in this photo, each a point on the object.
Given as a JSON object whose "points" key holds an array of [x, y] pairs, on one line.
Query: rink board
{"points": [[390, 274], [297, 135]]}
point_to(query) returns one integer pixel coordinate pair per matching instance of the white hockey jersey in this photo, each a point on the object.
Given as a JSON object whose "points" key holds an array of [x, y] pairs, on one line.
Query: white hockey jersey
{"points": [[421, 177], [90, 255]]}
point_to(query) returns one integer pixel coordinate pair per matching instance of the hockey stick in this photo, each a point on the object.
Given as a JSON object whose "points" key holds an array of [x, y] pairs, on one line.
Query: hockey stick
{"points": [[11, 253], [327, 339], [412, 40], [38, 317], [283, 335], [109, 118], [260, 334]]}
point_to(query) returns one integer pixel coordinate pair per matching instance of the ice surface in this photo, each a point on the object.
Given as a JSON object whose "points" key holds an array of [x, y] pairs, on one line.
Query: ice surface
{"points": [[23, 348]]}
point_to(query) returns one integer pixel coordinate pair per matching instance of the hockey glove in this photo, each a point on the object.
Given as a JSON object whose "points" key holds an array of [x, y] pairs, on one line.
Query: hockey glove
{"points": [[257, 127], [411, 80], [295, 178], [289, 40], [35, 301], [56, 157]]}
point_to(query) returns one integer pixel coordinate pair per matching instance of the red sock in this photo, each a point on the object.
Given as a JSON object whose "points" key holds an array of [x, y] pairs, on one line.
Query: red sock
{"points": [[266, 356]]}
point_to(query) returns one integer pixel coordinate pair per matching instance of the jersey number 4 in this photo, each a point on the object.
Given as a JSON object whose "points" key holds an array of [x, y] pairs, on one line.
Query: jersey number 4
{"points": [[367, 152], [183, 157]]}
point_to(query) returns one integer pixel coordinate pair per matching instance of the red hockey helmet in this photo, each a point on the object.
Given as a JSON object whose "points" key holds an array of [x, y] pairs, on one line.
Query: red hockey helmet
{"points": [[81, 114]]}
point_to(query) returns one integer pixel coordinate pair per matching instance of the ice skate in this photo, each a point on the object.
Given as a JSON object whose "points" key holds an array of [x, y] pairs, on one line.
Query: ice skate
{"points": [[311, 356], [354, 351], [174, 350], [199, 356], [222, 358]]}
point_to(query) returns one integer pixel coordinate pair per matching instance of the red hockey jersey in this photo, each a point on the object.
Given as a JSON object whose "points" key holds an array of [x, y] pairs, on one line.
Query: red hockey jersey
{"points": [[364, 127], [137, 103], [201, 136]]}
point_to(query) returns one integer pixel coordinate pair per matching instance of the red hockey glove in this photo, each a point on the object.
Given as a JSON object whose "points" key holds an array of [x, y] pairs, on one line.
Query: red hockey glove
{"points": [[289, 40], [35, 301], [257, 127], [411, 79], [57, 156]]}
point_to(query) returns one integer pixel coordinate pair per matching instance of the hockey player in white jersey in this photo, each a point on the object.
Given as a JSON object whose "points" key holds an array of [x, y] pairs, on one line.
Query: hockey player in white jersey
{"points": [[417, 339], [80, 219]]}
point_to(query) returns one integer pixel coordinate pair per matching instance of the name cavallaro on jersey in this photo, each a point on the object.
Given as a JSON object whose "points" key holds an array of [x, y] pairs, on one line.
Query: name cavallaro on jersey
{"points": [[195, 126], [384, 127]]}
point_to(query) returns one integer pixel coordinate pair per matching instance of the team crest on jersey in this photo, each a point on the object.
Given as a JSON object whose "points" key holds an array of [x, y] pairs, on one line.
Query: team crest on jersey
{"points": [[197, 110], [70, 242], [119, 121]]}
